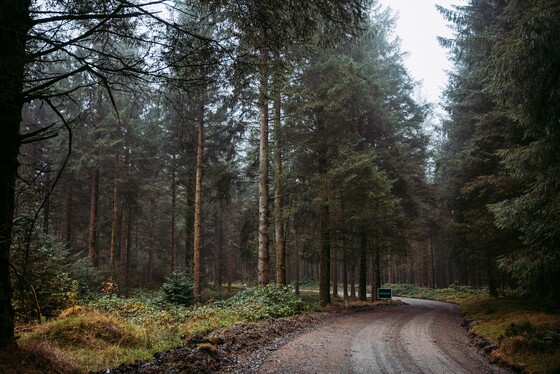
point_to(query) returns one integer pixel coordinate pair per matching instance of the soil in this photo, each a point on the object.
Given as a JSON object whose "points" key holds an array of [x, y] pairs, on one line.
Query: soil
{"points": [[318, 342], [421, 336], [238, 349]]}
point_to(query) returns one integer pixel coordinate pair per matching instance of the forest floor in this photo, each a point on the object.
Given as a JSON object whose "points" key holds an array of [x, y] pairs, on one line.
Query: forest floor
{"points": [[512, 331], [241, 348], [238, 349]]}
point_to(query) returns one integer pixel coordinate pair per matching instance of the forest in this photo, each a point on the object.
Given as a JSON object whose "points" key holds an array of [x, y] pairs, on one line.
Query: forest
{"points": [[256, 142]]}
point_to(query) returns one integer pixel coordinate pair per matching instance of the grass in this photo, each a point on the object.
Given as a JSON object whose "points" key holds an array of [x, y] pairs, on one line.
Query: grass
{"points": [[90, 339], [525, 331], [111, 330]]}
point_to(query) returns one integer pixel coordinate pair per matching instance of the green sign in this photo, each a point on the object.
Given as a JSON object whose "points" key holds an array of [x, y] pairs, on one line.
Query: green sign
{"points": [[384, 293]]}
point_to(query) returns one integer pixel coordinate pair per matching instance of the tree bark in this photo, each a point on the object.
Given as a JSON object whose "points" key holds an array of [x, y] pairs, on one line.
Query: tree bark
{"points": [[47, 206], [374, 275], [229, 244], [125, 246], [189, 223], [263, 253], [218, 249], [334, 270], [93, 257], [197, 233], [344, 269], [363, 265], [353, 281], [173, 212], [325, 255], [279, 242], [15, 21], [68, 212], [115, 217], [297, 260]]}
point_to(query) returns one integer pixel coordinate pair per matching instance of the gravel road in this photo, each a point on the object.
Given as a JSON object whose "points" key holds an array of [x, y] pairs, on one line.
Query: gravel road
{"points": [[419, 337]]}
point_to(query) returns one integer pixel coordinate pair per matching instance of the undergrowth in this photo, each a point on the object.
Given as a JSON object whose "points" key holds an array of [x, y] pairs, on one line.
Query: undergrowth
{"points": [[454, 293], [111, 330]]}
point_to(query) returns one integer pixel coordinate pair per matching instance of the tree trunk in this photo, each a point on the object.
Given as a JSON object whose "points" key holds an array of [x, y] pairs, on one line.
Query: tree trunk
{"points": [[197, 234], [263, 255], [189, 224], [334, 271], [297, 261], [152, 242], [279, 242], [68, 212], [93, 257], [229, 244], [353, 281], [432, 282], [363, 264], [344, 269], [325, 255], [374, 274], [173, 212], [115, 218], [47, 206], [218, 249], [492, 289], [15, 21], [125, 245]]}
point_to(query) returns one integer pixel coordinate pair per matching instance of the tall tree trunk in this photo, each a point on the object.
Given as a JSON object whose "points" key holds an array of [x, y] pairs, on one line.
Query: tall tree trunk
{"points": [[152, 242], [363, 264], [344, 269], [173, 212], [218, 248], [9, 145], [279, 242], [353, 281], [124, 245], [490, 271], [431, 272], [297, 260], [15, 21], [263, 253], [115, 217], [197, 233], [334, 270], [68, 212], [47, 206], [374, 274], [229, 244], [325, 255], [93, 257], [189, 223]]}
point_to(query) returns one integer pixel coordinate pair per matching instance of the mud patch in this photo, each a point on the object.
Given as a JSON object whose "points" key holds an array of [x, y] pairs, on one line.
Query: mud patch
{"points": [[238, 349]]}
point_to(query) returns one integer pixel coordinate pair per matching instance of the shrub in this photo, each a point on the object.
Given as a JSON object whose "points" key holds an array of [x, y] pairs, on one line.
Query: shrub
{"points": [[43, 286], [178, 288], [265, 301]]}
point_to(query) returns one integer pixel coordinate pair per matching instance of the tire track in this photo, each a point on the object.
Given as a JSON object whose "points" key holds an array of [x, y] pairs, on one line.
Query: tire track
{"points": [[419, 337]]}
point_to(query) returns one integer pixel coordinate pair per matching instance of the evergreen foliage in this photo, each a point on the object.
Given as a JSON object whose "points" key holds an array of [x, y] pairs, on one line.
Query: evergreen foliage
{"points": [[127, 92], [499, 165], [178, 288]]}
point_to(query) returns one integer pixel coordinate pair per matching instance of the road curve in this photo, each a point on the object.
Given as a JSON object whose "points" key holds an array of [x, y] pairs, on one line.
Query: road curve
{"points": [[419, 337]]}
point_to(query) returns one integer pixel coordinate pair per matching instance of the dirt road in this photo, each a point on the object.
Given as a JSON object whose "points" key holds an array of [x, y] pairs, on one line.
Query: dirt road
{"points": [[419, 337]]}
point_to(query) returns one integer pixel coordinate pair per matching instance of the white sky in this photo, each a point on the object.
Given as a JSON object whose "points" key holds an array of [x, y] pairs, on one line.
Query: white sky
{"points": [[418, 26]]}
